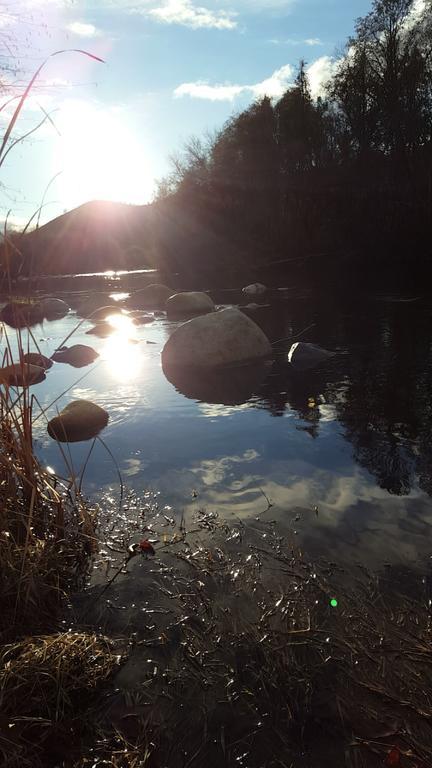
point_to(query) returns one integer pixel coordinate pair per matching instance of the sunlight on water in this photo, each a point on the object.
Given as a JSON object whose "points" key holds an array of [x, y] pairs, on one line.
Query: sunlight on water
{"points": [[121, 350]]}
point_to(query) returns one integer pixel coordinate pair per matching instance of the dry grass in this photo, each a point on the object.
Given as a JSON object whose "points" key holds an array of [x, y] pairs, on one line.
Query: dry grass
{"points": [[45, 682]]}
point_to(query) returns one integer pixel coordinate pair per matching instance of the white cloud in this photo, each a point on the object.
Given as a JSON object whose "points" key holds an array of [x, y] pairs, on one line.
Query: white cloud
{"points": [[82, 29], [311, 41], [273, 86], [319, 73], [186, 14]]}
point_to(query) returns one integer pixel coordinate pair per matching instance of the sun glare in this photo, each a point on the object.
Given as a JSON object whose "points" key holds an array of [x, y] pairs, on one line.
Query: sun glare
{"points": [[100, 157], [121, 350]]}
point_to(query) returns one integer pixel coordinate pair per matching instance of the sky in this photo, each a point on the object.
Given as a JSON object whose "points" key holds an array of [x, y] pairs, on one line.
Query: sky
{"points": [[171, 69]]}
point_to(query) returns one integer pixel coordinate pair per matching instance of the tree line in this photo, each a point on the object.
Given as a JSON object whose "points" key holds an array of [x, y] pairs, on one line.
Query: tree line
{"points": [[343, 177]]}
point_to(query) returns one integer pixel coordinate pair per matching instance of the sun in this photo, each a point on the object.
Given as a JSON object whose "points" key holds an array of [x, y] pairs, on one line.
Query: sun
{"points": [[99, 156]]}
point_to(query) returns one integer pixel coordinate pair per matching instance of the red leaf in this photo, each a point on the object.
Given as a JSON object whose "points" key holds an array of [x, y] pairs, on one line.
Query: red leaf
{"points": [[145, 547], [393, 758]]}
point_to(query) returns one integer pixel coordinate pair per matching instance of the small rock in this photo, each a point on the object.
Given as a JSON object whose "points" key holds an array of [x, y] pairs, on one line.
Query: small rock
{"points": [[254, 289], [21, 314], [152, 296], [35, 358], [78, 356], [189, 304], [21, 375], [79, 420], [90, 306], [304, 356], [54, 308]]}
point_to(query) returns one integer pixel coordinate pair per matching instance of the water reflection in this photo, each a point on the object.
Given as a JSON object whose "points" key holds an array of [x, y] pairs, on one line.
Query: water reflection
{"points": [[351, 439], [230, 385]]}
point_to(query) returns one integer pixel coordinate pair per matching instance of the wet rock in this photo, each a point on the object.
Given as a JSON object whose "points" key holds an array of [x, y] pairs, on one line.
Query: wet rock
{"points": [[189, 304], [54, 308], [153, 296], [78, 356], [35, 358], [217, 339], [102, 313], [21, 375], [254, 289], [22, 314], [102, 330], [140, 318], [79, 420], [304, 356], [90, 306]]}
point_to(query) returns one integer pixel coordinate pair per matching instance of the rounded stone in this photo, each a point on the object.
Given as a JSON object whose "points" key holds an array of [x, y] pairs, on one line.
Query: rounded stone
{"points": [[78, 355], [79, 420], [54, 308], [21, 375], [254, 289], [152, 296], [189, 304], [35, 358], [221, 338]]}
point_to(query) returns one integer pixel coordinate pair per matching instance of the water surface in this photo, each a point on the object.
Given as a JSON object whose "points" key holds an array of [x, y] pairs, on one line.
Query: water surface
{"points": [[342, 453]]}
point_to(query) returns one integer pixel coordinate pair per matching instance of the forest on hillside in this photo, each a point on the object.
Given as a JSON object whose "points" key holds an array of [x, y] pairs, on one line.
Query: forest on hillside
{"points": [[345, 177]]}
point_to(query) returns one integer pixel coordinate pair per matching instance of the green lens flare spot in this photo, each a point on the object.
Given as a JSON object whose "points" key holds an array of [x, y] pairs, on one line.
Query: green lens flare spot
{"points": [[334, 602]]}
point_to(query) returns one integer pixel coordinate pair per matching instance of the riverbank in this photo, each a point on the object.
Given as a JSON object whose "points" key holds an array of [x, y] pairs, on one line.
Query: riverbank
{"points": [[226, 647]]}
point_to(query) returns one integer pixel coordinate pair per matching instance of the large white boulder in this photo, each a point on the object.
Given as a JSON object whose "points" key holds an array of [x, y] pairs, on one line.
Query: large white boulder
{"points": [[304, 356], [189, 304], [220, 338], [79, 420]]}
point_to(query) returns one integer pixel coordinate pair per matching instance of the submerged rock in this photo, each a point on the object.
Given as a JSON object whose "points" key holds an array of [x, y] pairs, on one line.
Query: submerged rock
{"points": [[54, 308], [152, 296], [21, 375], [35, 358], [254, 289], [217, 339], [78, 356], [79, 420], [303, 356], [189, 304], [22, 314]]}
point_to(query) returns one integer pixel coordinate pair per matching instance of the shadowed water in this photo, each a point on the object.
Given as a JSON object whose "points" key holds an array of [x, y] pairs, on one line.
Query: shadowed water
{"points": [[342, 453]]}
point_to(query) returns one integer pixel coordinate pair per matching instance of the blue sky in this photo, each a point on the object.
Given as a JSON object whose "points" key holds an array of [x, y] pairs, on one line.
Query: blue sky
{"points": [[172, 68]]}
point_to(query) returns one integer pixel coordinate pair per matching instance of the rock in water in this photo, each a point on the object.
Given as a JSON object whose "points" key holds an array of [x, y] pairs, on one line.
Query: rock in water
{"points": [[21, 375], [21, 314], [35, 358], [95, 302], [54, 308], [189, 304], [220, 338], [153, 296], [78, 356], [304, 356], [254, 289], [79, 420]]}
